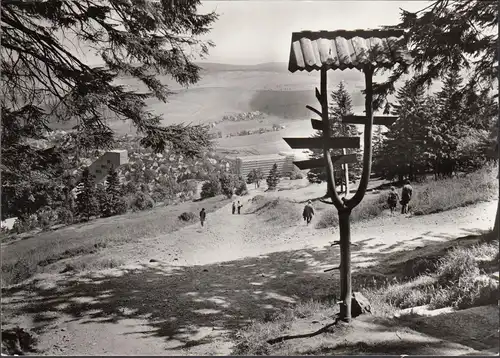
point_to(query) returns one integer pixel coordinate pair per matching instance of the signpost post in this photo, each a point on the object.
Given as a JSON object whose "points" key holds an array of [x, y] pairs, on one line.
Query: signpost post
{"points": [[370, 49]]}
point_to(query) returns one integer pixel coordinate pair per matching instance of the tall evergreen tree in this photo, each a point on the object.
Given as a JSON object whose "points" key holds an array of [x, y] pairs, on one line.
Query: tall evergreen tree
{"points": [[86, 200], [273, 178], [403, 150], [115, 203], [341, 105]]}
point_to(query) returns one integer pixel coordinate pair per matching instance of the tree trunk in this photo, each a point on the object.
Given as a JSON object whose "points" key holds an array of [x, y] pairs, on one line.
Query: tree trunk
{"points": [[346, 175], [345, 265]]}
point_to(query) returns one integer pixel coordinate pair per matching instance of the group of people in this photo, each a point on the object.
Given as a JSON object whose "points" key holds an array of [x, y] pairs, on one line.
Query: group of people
{"points": [[308, 212], [393, 198], [237, 206]]}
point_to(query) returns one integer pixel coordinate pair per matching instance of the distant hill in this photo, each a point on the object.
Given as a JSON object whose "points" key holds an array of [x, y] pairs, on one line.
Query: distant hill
{"points": [[228, 89]]}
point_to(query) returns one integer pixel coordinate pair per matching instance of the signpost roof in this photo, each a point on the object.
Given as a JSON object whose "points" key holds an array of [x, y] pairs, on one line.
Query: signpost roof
{"points": [[341, 49]]}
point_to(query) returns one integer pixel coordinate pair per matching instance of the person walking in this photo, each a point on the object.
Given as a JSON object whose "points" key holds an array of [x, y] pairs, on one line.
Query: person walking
{"points": [[308, 212], [203, 216], [234, 207], [406, 195], [392, 199], [239, 207]]}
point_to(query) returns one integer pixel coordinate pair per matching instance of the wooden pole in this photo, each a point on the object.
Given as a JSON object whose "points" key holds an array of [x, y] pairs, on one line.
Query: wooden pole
{"points": [[345, 264]]}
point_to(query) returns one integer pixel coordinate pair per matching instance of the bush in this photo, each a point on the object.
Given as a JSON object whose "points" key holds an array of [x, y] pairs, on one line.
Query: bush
{"points": [[141, 201], [65, 216], [24, 224], [210, 188], [187, 216], [241, 189], [46, 217], [296, 174]]}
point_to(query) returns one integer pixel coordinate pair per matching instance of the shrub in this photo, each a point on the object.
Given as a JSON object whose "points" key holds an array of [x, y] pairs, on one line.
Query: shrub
{"points": [[141, 201], [210, 188], [46, 217], [296, 174], [241, 189], [24, 224], [65, 216], [187, 216]]}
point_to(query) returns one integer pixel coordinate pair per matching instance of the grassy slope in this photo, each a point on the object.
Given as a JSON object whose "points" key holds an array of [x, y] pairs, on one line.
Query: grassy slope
{"points": [[429, 197], [22, 259], [402, 279]]}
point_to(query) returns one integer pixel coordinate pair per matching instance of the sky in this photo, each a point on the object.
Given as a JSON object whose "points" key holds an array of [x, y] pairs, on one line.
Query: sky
{"points": [[253, 32]]}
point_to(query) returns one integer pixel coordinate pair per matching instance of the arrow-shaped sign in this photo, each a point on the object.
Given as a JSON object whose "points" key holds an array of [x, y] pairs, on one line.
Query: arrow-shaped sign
{"points": [[317, 143], [378, 120], [317, 124], [320, 162]]}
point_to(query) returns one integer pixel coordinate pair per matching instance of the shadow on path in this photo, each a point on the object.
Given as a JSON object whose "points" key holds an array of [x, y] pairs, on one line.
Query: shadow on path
{"points": [[178, 302]]}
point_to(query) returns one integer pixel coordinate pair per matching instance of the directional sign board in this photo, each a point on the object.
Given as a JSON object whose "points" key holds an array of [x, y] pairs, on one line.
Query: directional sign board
{"points": [[378, 120], [320, 162], [317, 143], [317, 124]]}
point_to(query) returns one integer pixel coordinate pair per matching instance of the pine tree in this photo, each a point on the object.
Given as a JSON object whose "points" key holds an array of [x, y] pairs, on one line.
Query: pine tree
{"points": [[86, 200], [44, 78], [403, 150], [341, 105], [115, 203], [273, 178]]}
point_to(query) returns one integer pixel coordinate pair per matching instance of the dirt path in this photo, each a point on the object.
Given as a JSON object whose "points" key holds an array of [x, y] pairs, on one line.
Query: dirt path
{"points": [[172, 307], [227, 237]]}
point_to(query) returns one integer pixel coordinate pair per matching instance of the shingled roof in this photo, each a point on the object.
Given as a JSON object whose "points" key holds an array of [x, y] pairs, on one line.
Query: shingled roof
{"points": [[343, 49]]}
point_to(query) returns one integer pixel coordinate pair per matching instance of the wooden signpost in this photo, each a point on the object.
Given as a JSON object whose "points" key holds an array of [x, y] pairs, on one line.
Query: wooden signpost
{"points": [[325, 50]]}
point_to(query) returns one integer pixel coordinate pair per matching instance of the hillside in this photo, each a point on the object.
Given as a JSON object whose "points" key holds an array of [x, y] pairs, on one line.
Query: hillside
{"points": [[227, 89], [243, 270]]}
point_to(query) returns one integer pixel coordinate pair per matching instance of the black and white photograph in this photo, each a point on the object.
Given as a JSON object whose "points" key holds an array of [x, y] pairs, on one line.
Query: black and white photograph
{"points": [[249, 177]]}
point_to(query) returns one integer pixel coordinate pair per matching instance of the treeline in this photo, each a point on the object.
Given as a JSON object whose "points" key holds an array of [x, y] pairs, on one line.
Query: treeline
{"points": [[449, 132]]}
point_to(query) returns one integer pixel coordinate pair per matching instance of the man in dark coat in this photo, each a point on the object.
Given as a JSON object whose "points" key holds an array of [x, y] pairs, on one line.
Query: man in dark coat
{"points": [[203, 216], [406, 194], [239, 207], [234, 207], [308, 212]]}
